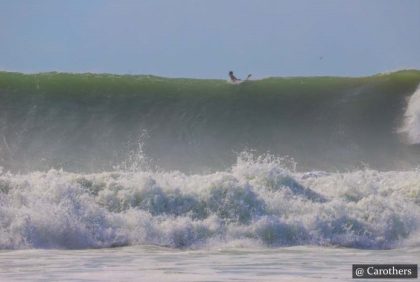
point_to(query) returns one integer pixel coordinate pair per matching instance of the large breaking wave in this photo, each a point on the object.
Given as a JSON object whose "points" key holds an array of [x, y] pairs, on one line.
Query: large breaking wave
{"points": [[91, 161], [93, 122]]}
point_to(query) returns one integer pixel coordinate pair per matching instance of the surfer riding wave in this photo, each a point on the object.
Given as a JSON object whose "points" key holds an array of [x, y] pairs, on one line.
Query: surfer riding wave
{"points": [[233, 78]]}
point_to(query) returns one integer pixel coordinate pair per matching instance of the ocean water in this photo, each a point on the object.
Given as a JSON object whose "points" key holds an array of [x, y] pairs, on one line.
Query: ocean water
{"points": [[235, 263], [122, 178]]}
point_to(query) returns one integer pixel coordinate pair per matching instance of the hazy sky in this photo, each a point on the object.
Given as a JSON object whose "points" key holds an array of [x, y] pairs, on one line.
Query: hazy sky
{"points": [[207, 38]]}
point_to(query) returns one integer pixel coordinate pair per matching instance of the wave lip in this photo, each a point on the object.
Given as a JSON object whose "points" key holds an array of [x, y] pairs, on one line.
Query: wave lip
{"points": [[255, 202]]}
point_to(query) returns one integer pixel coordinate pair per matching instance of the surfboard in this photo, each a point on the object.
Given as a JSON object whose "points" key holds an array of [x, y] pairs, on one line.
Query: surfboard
{"points": [[240, 80]]}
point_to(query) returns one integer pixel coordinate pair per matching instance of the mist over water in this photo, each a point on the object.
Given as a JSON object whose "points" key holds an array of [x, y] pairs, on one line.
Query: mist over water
{"points": [[98, 161]]}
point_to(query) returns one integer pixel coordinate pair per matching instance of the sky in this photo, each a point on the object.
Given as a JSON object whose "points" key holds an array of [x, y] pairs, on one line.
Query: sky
{"points": [[208, 38]]}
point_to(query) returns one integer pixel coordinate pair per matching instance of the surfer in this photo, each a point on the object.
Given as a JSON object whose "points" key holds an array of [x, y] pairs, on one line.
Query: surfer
{"points": [[233, 78]]}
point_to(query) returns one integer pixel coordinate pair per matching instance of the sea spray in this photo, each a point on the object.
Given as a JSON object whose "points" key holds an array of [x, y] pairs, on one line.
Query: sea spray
{"points": [[258, 201], [411, 126]]}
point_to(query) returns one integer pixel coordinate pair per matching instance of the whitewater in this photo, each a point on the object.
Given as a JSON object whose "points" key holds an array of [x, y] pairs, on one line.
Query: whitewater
{"points": [[107, 177]]}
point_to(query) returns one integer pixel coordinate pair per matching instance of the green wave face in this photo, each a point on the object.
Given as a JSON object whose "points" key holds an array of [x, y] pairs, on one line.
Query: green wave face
{"points": [[92, 122]]}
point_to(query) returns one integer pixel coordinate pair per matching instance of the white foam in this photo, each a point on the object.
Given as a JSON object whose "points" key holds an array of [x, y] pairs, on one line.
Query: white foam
{"points": [[411, 126], [259, 201]]}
